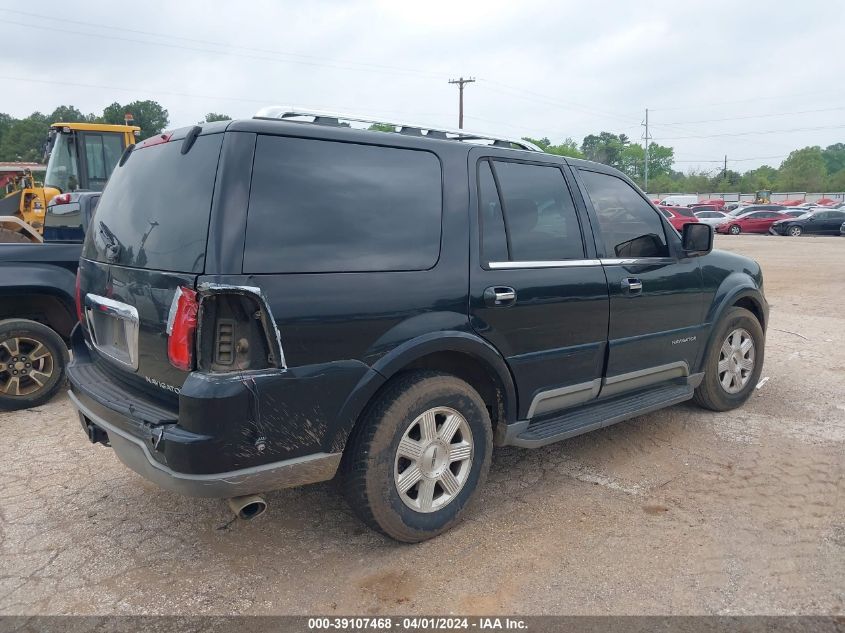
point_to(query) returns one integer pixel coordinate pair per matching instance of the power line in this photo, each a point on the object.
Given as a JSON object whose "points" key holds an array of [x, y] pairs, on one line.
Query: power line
{"points": [[729, 134], [534, 97], [138, 90], [556, 100], [730, 160], [278, 57], [702, 106], [753, 116]]}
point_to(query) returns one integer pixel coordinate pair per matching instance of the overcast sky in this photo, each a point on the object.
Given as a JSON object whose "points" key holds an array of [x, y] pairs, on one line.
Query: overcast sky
{"points": [[723, 70]]}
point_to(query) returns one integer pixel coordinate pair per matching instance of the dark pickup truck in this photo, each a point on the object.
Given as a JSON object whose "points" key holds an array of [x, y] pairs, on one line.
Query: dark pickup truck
{"points": [[37, 303]]}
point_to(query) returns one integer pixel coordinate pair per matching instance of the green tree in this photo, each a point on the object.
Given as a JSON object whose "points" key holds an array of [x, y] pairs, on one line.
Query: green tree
{"points": [[834, 157], [567, 148], [763, 177], [605, 148], [660, 160], [836, 182], [150, 116], [67, 114], [381, 127], [803, 170], [214, 116], [24, 139]]}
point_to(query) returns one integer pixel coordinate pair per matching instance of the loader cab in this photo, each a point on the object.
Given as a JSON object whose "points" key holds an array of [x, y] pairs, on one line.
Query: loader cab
{"points": [[83, 155]]}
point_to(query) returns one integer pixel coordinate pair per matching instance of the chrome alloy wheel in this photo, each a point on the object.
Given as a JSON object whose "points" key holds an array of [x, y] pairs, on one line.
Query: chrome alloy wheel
{"points": [[433, 460], [736, 361], [26, 365], [795, 231]]}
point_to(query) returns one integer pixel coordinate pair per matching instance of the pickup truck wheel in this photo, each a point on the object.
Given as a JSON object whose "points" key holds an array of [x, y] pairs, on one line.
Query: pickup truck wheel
{"points": [[421, 452], [33, 359], [733, 363]]}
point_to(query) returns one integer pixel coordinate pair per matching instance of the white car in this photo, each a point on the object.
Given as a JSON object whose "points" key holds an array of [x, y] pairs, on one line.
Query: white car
{"points": [[713, 218]]}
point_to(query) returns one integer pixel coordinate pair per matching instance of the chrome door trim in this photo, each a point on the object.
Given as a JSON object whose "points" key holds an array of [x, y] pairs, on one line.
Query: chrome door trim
{"points": [[636, 261], [563, 397], [613, 385], [565, 263]]}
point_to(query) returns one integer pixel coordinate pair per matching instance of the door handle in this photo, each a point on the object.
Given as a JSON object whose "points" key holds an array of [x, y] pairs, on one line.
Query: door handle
{"points": [[499, 296], [632, 286]]}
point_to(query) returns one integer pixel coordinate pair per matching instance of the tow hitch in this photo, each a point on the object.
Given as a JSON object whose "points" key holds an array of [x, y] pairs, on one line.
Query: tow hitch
{"points": [[95, 434]]}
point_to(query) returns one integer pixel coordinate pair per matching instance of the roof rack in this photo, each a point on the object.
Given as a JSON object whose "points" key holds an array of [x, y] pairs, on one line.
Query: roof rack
{"points": [[322, 117]]}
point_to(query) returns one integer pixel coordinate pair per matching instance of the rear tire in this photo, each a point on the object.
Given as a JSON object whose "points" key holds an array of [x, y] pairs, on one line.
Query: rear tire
{"points": [[735, 230], [728, 379], [33, 360], [420, 453]]}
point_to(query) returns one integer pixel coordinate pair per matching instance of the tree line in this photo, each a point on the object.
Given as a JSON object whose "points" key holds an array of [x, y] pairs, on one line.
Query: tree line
{"points": [[812, 169], [23, 139]]}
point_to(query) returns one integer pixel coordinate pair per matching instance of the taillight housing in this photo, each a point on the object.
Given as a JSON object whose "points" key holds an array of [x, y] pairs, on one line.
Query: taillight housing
{"points": [[182, 328], [78, 297], [62, 198]]}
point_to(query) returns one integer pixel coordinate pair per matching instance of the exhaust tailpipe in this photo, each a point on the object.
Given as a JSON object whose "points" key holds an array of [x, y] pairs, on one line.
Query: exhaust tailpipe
{"points": [[247, 507]]}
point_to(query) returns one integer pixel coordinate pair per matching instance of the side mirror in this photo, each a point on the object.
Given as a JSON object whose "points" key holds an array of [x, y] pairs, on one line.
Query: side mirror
{"points": [[697, 239]]}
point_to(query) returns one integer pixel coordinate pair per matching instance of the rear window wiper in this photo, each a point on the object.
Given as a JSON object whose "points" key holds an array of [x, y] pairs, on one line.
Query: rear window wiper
{"points": [[113, 246]]}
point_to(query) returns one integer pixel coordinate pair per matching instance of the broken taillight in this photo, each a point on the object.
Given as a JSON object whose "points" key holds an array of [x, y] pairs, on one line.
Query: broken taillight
{"points": [[181, 328]]}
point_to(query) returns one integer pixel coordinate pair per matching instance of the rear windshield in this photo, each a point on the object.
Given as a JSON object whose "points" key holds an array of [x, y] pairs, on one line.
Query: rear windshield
{"points": [[154, 211]]}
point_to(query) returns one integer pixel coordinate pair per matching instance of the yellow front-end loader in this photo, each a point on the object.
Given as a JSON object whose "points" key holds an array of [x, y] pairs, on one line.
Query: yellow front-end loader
{"points": [[81, 158]]}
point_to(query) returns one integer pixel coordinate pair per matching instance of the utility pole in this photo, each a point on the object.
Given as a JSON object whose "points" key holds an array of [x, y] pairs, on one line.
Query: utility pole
{"points": [[460, 82], [647, 138], [725, 173]]}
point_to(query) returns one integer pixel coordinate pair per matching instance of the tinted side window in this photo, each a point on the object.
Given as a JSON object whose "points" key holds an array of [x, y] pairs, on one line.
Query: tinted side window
{"points": [[630, 227], [323, 206], [494, 245], [540, 217]]}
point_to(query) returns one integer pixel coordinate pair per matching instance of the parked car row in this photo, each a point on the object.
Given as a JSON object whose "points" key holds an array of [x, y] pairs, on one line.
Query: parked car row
{"points": [[775, 219]]}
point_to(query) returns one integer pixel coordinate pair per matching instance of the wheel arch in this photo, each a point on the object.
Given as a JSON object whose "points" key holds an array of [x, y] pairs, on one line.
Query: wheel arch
{"points": [[47, 305], [461, 354], [740, 291]]}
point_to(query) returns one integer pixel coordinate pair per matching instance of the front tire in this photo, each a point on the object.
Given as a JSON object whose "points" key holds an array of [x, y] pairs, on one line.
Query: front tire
{"points": [[733, 362], [33, 359], [735, 230], [421, 452], [794, 231]]}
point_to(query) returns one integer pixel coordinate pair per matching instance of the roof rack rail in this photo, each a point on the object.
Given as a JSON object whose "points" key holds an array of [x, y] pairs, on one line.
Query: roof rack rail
{"points": [[321, 117]]}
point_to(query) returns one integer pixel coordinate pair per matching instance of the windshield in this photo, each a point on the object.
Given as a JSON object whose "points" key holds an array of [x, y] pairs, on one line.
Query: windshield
{"points": [[62, 167]]}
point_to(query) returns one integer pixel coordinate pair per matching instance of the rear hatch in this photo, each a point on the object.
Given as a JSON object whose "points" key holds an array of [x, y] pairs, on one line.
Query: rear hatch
{"points": [[147, 239]]}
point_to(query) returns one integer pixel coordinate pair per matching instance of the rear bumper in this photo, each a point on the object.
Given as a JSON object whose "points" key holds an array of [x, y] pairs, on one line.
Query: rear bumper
{"points": [[162, 442], [134, 453]]}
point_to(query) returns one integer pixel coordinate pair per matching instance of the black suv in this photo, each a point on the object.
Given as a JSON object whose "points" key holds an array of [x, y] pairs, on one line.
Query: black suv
{"points": [[268, 303]]}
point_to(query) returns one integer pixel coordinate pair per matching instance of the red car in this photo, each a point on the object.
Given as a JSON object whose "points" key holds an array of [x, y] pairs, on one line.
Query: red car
{"points": [[678, 216], [751, 222]]}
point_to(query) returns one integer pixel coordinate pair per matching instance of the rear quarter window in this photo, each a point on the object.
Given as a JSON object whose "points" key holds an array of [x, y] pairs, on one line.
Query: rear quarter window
{"points": [[323, 206]]}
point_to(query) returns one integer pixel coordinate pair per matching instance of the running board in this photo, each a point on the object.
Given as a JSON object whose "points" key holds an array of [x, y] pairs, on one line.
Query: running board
{"points": [[598, 414]]}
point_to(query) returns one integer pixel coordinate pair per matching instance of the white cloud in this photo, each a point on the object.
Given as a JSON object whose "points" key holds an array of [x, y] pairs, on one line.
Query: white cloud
{"points": [[553, 68]]}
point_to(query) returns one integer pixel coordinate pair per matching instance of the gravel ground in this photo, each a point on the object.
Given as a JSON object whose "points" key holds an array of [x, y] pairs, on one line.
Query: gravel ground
{"points": [[678, 512]]}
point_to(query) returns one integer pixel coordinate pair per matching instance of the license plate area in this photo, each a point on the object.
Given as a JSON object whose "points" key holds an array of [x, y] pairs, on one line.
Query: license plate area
{"points": [[114, 329]]}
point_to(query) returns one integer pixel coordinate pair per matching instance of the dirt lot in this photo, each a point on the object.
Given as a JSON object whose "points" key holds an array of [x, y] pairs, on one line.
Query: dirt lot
{"points": [[678, 512]]}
